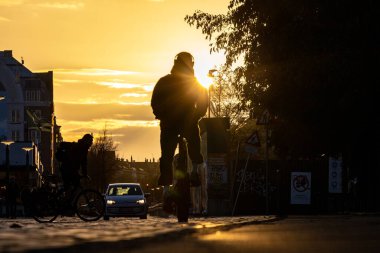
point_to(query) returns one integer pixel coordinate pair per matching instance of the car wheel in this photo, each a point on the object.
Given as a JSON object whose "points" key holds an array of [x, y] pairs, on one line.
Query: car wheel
{"points": [[145, 216], [106, 217]]}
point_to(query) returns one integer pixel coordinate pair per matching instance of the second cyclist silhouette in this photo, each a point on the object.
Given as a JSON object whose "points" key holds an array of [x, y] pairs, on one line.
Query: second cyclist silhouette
{"points": [[73, 167]]}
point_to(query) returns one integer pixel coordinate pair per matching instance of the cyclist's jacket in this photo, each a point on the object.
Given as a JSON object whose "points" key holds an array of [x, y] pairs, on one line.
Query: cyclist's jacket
{"points": [[179, 97], [73, 157]]}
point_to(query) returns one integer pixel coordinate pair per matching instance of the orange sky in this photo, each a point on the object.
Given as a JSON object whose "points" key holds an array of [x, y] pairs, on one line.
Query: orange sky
{"points": [[106, 57]]}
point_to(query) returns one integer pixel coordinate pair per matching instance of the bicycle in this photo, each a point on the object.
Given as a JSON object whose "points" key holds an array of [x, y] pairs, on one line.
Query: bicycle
{"points": [[50, 201], [178, 200]]}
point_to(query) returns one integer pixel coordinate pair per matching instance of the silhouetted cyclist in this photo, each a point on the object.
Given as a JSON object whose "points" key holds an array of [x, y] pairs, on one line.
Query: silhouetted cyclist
{"points": [[73, 158], [179, 102]]}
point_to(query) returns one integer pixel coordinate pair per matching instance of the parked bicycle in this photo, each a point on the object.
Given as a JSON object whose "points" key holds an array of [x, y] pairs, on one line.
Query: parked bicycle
{"points": [[51, 200]]}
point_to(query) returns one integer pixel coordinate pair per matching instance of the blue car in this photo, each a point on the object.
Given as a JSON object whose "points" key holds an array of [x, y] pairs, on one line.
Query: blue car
{"points": [[125, 200]]}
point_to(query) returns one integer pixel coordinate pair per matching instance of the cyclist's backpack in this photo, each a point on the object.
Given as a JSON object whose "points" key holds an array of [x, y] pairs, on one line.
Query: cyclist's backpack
{"points": [[63, 151]]}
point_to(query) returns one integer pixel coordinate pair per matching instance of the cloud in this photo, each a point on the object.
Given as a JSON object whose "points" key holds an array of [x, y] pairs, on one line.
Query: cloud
{"points": [[90, 99], [94, 72], [61, 5], [3, 19], [119, 85], [10, 3], [135, 95], [99, 112]]}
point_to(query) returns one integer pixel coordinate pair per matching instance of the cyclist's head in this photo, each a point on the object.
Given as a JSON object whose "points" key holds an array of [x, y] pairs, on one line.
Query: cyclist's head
{"points": [[87, 140], [184, 58], [183, 64]]}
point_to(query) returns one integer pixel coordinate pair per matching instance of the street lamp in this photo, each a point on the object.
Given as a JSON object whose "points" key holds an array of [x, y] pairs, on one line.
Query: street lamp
{"points": [[7, 144], [27, 149]]}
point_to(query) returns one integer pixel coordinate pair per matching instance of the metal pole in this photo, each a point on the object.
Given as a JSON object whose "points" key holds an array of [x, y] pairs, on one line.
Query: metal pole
{"points": [[266, 170], [7, 162], [209, 100], [241, 182]]}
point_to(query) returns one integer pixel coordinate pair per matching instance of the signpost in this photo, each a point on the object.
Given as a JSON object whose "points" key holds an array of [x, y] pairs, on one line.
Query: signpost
{"points": [[264, 120]]}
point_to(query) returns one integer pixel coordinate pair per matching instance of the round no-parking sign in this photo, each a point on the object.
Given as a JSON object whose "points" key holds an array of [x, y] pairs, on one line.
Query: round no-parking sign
{"points": [[300, 188]]}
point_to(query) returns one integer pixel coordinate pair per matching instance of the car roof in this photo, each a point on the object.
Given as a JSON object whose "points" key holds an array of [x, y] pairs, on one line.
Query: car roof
{"points": [[122, 184]]}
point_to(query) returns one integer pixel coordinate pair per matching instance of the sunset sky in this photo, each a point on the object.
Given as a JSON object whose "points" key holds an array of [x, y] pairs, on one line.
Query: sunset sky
{"points": [[106, 56]]}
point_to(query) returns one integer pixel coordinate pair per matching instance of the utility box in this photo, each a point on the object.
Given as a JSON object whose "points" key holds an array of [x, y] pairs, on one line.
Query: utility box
{"points": [[215, 147]]}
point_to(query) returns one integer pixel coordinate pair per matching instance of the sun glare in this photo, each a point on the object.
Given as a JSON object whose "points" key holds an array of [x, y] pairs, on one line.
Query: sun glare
{"points": [[205, 81]]}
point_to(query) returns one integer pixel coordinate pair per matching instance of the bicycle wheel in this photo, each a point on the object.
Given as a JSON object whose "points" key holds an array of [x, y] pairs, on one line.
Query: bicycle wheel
{"points": [[44, 207], [90, 205], [182, 187], [183, 199]]}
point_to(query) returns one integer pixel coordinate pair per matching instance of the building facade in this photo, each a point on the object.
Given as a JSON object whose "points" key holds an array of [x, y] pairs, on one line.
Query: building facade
{"points": [[27, 108]]}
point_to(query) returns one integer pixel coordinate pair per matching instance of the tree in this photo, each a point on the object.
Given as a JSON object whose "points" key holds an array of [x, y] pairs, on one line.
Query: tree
{"points": [[313, 65], [226, 96], [310, 63], [102, 160]]}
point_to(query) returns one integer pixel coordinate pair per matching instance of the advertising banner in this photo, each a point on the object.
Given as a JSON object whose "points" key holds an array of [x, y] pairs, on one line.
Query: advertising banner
{"points": [[335, 175]]}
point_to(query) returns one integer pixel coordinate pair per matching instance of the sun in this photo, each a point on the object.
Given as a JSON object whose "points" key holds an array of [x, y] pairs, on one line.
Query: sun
{"points": [[204, 80], [202, 75]]}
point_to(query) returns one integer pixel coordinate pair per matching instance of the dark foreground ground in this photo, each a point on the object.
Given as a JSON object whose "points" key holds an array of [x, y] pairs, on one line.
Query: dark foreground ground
{"points": [[341, 233], [293, 234]]}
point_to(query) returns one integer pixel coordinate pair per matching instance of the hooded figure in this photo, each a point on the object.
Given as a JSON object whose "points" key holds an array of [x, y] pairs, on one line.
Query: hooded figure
{"points": [[75, 161], [179, 102]]}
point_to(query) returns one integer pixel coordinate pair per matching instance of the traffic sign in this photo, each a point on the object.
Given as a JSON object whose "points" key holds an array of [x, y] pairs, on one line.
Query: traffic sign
{"points": [[253, 139], [264, 118]]}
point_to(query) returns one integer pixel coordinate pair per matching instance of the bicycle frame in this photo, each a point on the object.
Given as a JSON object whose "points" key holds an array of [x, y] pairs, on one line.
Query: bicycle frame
{"points": [[52, 201]]}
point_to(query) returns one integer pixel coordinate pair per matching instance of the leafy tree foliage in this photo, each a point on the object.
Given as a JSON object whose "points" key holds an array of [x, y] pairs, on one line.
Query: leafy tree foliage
{"points": [[225, 96], [311, 63]]}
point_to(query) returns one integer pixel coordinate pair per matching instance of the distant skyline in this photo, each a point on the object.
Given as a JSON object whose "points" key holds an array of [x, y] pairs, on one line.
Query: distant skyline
{"points": [[106, 57]]}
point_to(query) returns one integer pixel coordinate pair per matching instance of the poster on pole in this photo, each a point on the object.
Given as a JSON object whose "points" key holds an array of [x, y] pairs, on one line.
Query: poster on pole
{"points": [[335, 175], [217, 169], [300, 185]]}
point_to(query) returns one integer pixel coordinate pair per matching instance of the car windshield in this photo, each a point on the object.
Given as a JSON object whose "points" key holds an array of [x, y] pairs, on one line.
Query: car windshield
{"points": [[121, 190]]}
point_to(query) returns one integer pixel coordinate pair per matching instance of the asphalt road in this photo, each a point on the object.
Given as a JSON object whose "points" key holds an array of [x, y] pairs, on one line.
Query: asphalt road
{"points": [[319, 234]]}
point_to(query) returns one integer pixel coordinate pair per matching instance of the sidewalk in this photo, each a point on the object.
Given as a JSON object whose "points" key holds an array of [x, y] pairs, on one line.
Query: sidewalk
{"points": [[68, 234]]}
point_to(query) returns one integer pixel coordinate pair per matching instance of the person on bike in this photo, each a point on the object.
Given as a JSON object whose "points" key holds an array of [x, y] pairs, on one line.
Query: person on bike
{"points": [[74, 162], [179, 102]]}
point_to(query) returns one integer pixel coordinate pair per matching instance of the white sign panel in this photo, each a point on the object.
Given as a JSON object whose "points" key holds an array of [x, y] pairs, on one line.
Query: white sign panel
{"points": [[335, 175], [300, 188]]}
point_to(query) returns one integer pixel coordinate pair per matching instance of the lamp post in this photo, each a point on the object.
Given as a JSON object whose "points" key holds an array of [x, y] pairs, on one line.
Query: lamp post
{"points": [[27, 149], [211, 75], [7, 144]]}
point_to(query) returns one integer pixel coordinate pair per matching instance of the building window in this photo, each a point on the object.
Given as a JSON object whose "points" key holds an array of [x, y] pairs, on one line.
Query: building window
{"points": [[15, 116], [33, 95], [35, 136], [15, 135]]}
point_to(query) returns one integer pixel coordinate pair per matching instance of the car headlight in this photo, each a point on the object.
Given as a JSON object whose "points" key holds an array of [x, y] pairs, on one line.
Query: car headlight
{"points": [[111, 202], [141, 201]]}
